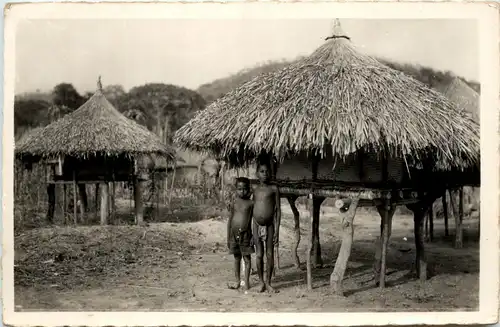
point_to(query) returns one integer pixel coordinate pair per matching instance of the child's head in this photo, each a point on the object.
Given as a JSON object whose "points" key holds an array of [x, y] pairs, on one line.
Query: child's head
{"points": [[242, 187], [263, 171]]}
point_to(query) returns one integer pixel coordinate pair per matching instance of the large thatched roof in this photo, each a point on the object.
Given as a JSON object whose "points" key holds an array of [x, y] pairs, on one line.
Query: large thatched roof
{"points": [[335, 98], [463, 96], [94, 128]]}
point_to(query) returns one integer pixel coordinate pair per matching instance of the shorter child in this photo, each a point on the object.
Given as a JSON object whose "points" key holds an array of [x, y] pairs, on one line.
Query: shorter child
{"points": [[239, 231]]}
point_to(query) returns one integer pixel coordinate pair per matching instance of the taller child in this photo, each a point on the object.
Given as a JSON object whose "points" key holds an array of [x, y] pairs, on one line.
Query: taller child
{"points": [[266, 223]]}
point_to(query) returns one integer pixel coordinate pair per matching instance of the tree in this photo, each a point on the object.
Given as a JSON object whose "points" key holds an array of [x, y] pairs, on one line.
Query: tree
{"points": [[114, 94], [30, 113], [165, 107], [65, 94]]}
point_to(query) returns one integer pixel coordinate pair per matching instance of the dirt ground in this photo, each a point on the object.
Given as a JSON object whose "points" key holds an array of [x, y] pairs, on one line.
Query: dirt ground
{"points": [[185, 267]]}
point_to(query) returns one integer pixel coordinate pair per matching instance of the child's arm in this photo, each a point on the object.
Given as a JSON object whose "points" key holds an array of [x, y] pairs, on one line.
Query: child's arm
{"points": [[229, 222], [277, 216]]}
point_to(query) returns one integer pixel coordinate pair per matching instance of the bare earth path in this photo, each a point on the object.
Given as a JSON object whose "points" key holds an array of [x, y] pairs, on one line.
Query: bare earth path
{"points": [[185, 267]]}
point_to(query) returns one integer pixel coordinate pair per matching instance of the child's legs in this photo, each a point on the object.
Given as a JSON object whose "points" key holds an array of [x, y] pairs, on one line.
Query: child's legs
{"points": [[237, 266], [270, 252], [259, 252], [248, 263]]}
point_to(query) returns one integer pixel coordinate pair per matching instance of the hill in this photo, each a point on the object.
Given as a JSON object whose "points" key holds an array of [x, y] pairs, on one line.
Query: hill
{"points": [[431, 77]]}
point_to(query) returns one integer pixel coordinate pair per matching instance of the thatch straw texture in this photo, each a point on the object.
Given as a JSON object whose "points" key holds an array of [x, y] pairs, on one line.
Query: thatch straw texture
{"points": [[463, 96], [96, 128], [339, 98]]}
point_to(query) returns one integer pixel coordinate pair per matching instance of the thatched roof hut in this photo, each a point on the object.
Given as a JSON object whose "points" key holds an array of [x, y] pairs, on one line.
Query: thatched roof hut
{"points": [[336, 100], [96, 128], [463, 96]]}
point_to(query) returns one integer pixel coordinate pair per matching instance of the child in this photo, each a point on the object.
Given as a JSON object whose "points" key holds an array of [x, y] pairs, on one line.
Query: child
{"points": [[267, 218], [239, 231]]}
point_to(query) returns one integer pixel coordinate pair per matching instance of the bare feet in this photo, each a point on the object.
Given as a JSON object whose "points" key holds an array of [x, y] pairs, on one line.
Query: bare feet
{"points": [[262, 288], [233, 286], [271, 289]]}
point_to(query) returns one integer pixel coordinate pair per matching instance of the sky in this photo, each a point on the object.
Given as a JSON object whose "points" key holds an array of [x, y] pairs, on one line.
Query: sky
{"points": [[192, 52]]}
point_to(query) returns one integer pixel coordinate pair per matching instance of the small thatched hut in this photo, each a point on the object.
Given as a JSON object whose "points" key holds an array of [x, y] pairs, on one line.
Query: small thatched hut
{"points": [[341, 124], [95, 144]]}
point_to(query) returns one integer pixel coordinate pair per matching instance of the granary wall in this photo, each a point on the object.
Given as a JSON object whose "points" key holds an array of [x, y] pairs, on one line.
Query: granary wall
{"points": [[353, 169]]}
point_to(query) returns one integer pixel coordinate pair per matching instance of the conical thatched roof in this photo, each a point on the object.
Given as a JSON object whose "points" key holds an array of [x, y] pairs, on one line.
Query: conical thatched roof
{"points": [[463, 96], [94, 128], [336, 98]]}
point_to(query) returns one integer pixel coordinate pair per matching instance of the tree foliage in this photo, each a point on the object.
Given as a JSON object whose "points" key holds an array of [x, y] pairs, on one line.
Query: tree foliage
{"points": [[163, 108]]}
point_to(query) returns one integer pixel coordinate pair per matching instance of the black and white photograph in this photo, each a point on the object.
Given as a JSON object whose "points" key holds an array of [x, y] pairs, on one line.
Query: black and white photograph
{"points": [[214, 161]]}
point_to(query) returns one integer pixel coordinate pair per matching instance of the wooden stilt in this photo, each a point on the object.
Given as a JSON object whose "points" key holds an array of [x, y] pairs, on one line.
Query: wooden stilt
{"points": [[75, 196], [296, 229], [171, 188], [459, 228], [419, 211], [104, 203], [64, 205], [113, 198], [431, 222], [274, 171], [96, 199], [337, 275], [316, 260], [82, 191], [139, 217], [310, 244], [51, 194], [426, 228], [386, 212], [445, 214]]}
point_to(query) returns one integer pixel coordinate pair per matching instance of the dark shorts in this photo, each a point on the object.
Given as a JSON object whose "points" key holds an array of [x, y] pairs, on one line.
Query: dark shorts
{"points": [[239, 243]]}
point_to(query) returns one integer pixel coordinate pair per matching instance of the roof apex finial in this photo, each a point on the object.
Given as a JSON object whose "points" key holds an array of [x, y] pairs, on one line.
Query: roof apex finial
{"points": [[337, 31], [99, 83]]}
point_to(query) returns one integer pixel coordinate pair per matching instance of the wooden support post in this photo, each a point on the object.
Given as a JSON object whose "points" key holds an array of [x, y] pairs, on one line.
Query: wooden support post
{"points": [[110, 199], [296, 229], [113, 198], [104, 202], [445, 214], [96, 198], [310, 243], [51, 194], [386, 212], [64, 205], [419, 211], [459, 228], [82, 191], [274, 171], [337, 275], [426, 228], [317, 262], [458, 225], [75, 196], [431, 222], [421, 258], [138, 201]]}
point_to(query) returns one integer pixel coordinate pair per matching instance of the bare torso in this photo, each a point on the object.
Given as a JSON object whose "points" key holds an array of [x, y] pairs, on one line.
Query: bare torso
{"points": [[264, 197], [242, 215]]}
